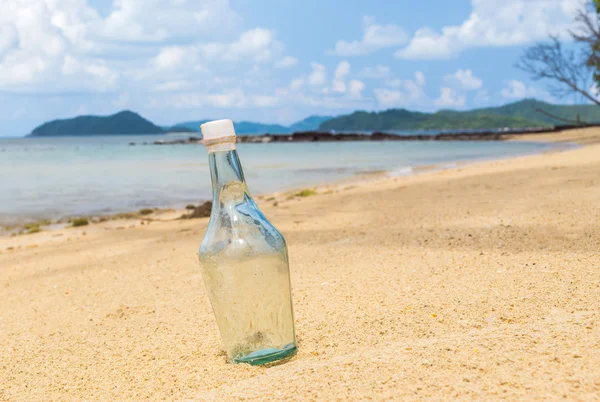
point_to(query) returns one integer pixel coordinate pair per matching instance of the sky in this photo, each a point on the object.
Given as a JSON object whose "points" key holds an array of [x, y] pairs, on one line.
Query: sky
{"points": [[273, 61]]}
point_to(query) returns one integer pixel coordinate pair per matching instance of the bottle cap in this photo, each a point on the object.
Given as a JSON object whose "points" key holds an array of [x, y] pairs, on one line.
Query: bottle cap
{"points": [[217, 129]]}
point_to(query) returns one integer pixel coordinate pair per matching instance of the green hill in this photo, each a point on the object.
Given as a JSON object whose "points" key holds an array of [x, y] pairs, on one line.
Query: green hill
{"points": [[522, 114], [249, 127], [124, 122], [526, 113], [533, 109], [308, 124], [402, 119]]}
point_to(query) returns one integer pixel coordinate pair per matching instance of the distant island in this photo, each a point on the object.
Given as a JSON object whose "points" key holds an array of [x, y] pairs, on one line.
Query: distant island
{"points": [[127, 122], [528, 113], [121, 123], [249, 127]]}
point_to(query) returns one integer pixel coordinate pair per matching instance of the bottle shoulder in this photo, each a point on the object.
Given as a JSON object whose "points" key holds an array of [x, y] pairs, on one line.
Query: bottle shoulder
{"points": [[240, 227]]}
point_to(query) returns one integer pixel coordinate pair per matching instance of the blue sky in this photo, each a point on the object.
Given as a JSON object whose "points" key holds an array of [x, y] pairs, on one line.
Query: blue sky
{"points": [[264, 60]]}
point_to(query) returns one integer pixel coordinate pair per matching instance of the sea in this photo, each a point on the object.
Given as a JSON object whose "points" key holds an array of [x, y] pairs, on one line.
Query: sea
{"points": [[61, 177]]}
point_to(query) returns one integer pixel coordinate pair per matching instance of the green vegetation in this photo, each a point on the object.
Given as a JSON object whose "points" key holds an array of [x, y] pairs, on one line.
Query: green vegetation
{"points": [[146, 211], [523, 114], [125, 122], [249, 127], [308, 124], [306, 193], [124, 215], [79, 222], [542, 112], [34, 227]]}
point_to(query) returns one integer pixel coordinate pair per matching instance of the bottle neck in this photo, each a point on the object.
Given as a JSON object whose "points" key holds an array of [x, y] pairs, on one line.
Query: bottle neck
{"points": [[227, 176]]}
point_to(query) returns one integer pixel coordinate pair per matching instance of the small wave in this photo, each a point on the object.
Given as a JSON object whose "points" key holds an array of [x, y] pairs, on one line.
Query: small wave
{"points": [[401, 171]]}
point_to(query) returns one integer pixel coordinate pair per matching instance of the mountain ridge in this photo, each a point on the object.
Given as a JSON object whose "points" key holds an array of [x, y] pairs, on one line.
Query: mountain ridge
{"points": [[527, 113], [120, 123]]}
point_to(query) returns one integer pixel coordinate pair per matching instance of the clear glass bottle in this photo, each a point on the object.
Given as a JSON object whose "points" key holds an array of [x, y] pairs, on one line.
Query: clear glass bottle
{"points": [[244, 262]]}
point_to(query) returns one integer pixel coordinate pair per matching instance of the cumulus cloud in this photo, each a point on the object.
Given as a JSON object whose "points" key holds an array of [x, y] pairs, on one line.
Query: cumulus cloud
{"points": [[62, 46], [463, 79], [258, 45], [375, 72], [165, 20], [409, 93], [286, 62], [171, 57], [388, 97], [339, 77], [317, 77], [375, 37], [515, 89], [493, 23], [420, 78], [449, 98], [355, 89], [296, 84]]}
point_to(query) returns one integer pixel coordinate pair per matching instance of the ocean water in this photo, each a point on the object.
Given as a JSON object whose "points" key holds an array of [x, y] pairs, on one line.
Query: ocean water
{"points": [[69, 176]]}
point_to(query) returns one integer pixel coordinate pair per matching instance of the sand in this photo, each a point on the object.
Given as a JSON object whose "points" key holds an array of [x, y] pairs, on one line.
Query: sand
{"points": [[480, 282]]}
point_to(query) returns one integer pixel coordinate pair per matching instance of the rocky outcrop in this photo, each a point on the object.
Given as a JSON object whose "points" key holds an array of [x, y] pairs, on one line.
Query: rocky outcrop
{"points": [[201, 211], [324, 136]]}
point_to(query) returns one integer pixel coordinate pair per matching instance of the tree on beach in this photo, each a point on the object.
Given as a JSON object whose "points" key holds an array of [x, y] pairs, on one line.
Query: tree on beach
{"points": [[574, 69]]}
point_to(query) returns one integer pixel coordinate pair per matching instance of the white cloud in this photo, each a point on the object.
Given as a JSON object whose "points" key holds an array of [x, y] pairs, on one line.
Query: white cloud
{"points": [[463, 79], [286, 62], [342, 70], [426, 44], [162, 55], [258, 45], [226, 99], [318, 76], [38, 47], [171, 57], [449, 98], [375, 37], [376, 72], [388, 97], [410, 93], [515, 89], [355, 89], [165, 20], [494, 23], [296, 84], [420, 78], [61, 46]]}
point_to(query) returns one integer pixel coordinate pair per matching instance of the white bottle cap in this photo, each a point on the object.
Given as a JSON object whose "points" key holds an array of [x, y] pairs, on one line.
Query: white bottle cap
{"points": [[217, 129]]}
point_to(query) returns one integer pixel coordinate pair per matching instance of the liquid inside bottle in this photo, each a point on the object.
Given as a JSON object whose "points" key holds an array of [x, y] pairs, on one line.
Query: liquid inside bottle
{"points": [[244, 263]]}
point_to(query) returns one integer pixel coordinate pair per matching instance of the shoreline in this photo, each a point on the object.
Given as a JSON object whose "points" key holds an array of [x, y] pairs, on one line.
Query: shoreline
{"points": [[29, 226]]}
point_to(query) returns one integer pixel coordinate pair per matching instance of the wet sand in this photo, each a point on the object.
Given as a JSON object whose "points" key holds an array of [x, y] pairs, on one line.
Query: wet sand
{"points": [[479, 282]]}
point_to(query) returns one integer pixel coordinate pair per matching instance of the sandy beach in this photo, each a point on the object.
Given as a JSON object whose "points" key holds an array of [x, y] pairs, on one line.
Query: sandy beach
{"points": [[480, 282]]}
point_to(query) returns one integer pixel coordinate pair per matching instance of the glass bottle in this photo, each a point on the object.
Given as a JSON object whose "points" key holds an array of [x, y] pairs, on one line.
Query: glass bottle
{"points": [[244, 262]]}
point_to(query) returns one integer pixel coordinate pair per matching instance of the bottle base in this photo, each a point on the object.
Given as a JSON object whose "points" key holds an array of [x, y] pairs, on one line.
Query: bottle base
{"points": [[269, 355]]}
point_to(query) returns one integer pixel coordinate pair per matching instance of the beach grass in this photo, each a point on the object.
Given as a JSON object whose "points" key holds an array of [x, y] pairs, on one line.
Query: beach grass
{"points": [[308, 192], [78, 222]]}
